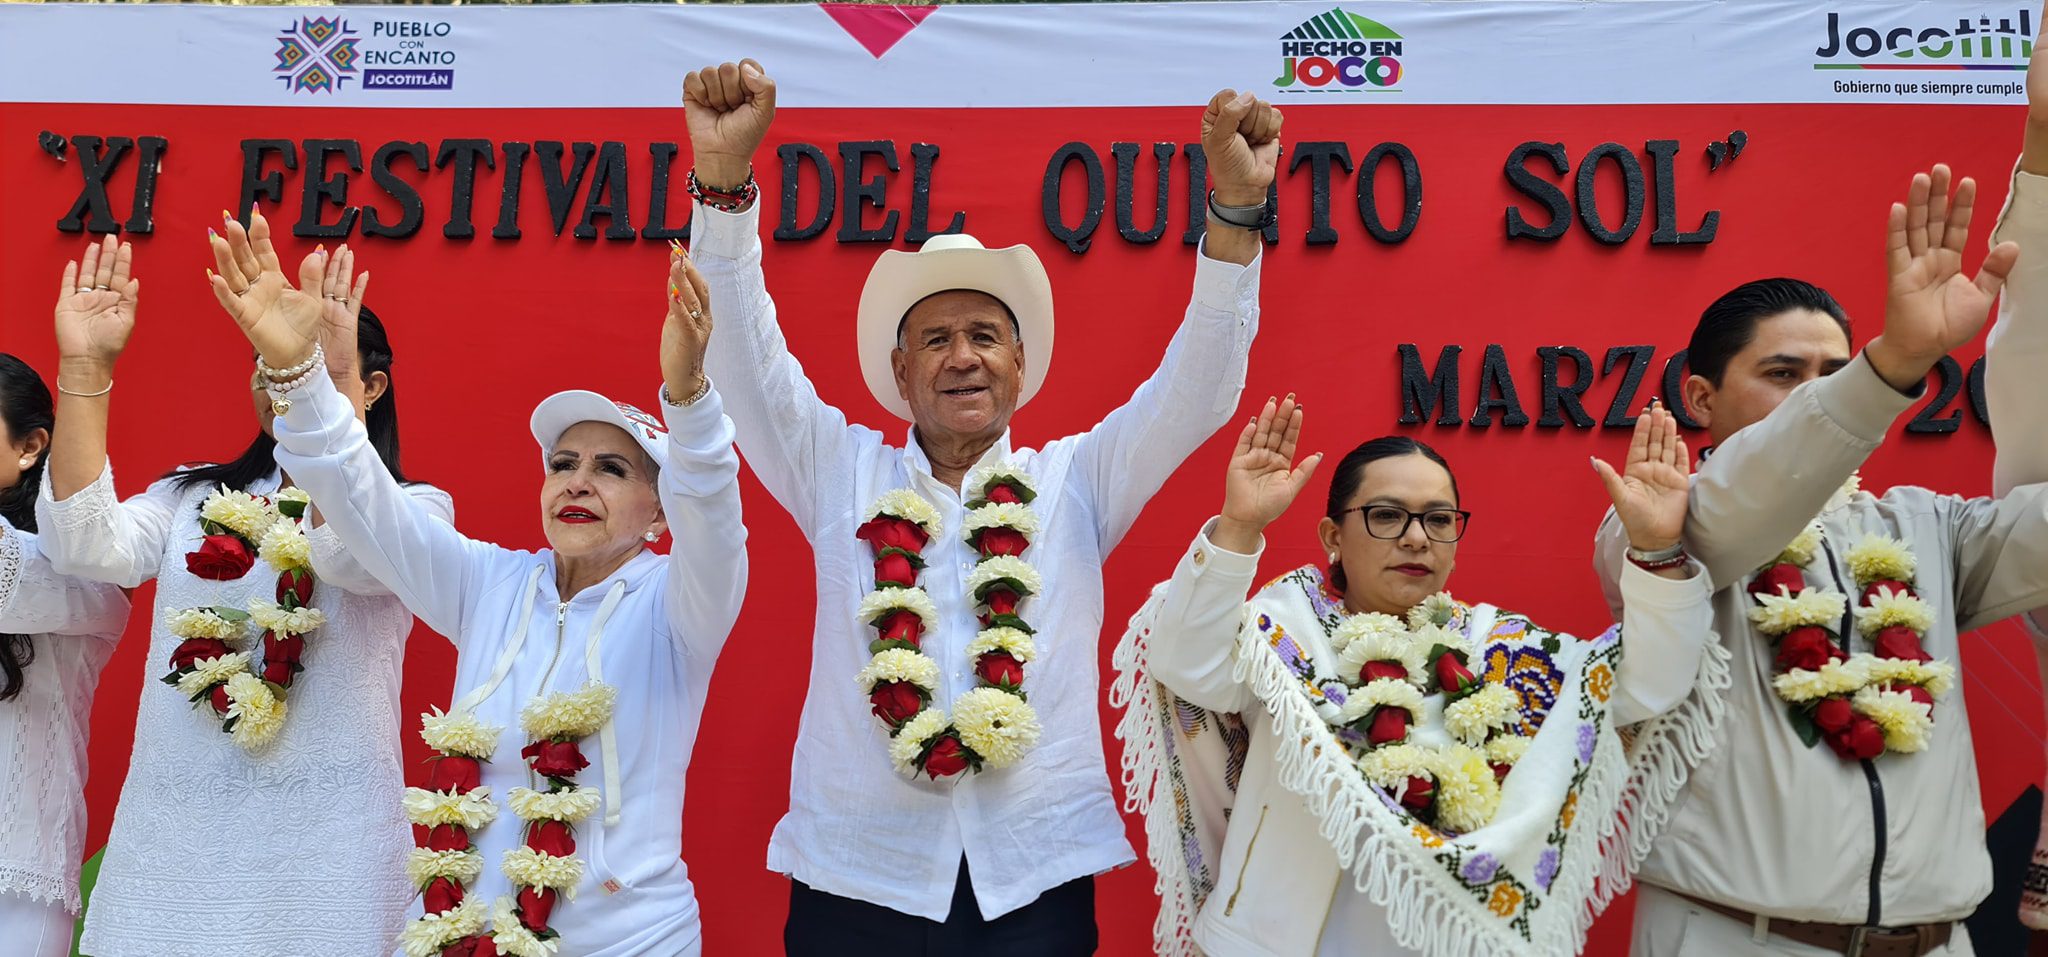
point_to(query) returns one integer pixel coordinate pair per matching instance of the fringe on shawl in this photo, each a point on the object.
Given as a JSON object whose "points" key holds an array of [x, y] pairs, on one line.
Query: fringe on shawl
{"points": [[1148, 749]]}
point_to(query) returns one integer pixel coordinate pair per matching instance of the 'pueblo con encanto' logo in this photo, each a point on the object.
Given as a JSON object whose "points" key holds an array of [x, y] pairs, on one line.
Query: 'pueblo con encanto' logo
{"points": [[1340, 52], [323, 55], [1970, 44]]}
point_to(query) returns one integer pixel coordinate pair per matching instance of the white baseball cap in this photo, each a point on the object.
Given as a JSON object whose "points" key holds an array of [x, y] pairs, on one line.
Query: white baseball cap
{"points": [[557, 413]]}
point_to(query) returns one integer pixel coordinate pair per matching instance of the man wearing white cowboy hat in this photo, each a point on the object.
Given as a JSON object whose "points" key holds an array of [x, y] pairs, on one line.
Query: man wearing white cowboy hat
{"points": [[932, 809]]}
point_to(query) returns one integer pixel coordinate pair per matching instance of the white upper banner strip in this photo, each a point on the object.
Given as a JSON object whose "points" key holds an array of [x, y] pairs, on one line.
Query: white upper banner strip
{"points": [[1102, 54]]}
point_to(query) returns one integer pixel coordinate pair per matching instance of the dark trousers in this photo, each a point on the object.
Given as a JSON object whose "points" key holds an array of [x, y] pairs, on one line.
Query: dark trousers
{"points": [[1060, 923]]}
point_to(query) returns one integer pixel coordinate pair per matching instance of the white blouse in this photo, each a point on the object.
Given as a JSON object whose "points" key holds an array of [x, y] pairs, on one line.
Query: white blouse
{"points": [[74, 624], [297, 849]]}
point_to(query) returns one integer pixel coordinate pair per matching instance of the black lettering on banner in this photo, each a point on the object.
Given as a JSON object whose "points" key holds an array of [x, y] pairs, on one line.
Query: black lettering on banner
{"points": [[559, 184], [1618, 414], [1539, 189], [1562, 400], [1632, 193], [1497, 391], [411, 212], [859, 191], [149, 160], [1674, 391], [258, 184], [318, 189], [1076, 237], [1411, 193], [657, 226], [608, 179], [1126, 190], [1198, 194], [1423, 391], [1319, 156], [97, 161], [1977, 403], [923, 156], [1948, 374], [790, 154], [508, 193], [462, 195], [1662, 153]]}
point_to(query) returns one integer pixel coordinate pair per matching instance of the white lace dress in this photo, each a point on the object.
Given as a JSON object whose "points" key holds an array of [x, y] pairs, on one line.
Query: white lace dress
{"points": [[295, 851]]}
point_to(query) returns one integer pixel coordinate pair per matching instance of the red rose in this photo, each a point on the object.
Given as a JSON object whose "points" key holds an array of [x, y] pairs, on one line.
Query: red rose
{"points": [[220, 699], [281, 658], [192, 649], [1005, 495], [885, 532], [946, 757], [1780, 579], [895, 569], [454, 773], [999, 669], [1860, 741], [1002, 601], [1001, 541], [1833, 714], [1898, 641], [1808, 648], [1420, 792], [551, 837], [534, 907], [1884, 585], [442, 895], [555, 759], [220, 558], [1388, 725], [300, 587], [442, 837], [895, 701], [477, 946], [1500, 771], [903, 626], [1375, 670], [1452, 675]]}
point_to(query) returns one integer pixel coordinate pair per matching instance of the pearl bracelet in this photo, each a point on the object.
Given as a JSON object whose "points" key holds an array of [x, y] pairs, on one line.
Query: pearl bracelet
{"points": [[291, 373], [702, 391], [278, 389]]}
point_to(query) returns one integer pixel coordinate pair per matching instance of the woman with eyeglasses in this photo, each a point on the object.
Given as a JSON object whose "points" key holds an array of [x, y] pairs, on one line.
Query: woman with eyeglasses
{"points": [[1350, 761]]}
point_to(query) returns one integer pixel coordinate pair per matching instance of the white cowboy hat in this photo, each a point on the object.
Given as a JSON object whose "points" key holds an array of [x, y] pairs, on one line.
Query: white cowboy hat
{"points": [[556, 413], [952, 261]]}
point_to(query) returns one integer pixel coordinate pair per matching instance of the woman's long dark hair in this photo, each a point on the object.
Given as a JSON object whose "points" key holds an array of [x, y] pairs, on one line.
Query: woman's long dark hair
{"points": [[1350, 474], [257, 461], [25, 406]]}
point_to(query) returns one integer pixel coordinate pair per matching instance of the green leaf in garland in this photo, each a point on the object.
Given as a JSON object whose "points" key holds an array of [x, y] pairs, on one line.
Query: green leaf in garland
{"points": [[226, 613], [1803, 723], [1011, 621]]}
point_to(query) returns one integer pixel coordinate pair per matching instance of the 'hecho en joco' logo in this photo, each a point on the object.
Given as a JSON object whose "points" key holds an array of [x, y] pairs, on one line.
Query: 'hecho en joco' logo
{"points": [[1356, 54], [317, 55]]}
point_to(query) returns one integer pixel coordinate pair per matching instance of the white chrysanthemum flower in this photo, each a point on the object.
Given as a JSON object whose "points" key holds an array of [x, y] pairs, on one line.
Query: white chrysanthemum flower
{"points": [[1011, 641], [461, 733], [472, 809], [882, 601], [202, 623], [1353, 627], [1845, 493], [1936, 676], [512, 938], [995, 724], [1834, 678], [1467, 792], [899, 664], [979, 480], [1878, 557], [570, 806], [1779, 614], [285, 546], [1378, 638], [910, 739], [258, 714], [427, 936], [1508, 748], [1000, 515], [271, 616], [1390, 767], [207, 672], [527, 867], [907, 505], [1000, 567], [1803, 548], [292, 493], [1472, 718], [1437, 609], [1381, 693], [423, 865], [1888, 608], [1907, 724], [569, 714], [1430, 636], [240, 512]]}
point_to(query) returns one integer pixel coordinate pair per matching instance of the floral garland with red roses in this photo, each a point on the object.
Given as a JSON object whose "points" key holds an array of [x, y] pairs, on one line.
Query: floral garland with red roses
{"points": [[239, 529], [1862, 704], [992, 726], [454, 805]]}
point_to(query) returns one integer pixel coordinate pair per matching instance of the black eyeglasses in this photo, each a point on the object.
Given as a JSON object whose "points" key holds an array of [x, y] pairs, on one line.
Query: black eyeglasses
{"points": [[1444, 525]]}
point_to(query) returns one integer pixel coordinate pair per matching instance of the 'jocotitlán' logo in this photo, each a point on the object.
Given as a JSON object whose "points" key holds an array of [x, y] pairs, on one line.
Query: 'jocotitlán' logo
{"points": [[1340, 52]]}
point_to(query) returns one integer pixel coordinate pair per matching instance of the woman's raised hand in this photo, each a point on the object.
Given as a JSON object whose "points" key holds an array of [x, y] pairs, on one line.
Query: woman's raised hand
{"points": [[1262, 479], [1651, 490], [96, 310], [686, 329], [282, 321]]}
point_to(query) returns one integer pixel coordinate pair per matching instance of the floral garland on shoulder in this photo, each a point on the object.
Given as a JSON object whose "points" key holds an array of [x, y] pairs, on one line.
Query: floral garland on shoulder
{"points": [[1389, 667], [1865, 704], [240, 528], [992, 726]]}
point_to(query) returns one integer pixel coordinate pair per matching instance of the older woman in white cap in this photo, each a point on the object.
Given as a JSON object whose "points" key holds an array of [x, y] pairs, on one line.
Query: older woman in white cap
{"points": [[933, 809], [550, 827]]}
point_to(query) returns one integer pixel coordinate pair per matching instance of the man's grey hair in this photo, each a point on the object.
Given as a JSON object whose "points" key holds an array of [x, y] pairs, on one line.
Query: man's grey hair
{"points": [[1015, 328]]}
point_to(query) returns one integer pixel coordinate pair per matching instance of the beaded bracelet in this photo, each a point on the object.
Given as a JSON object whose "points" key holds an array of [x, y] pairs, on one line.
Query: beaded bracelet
{"points": [[264, 369], [725, 201], [299, 374], [1659, 560]]}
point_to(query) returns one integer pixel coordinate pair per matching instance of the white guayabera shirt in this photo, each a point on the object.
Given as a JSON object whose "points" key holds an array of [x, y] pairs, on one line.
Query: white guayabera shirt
{"points": [[856, 828]]}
